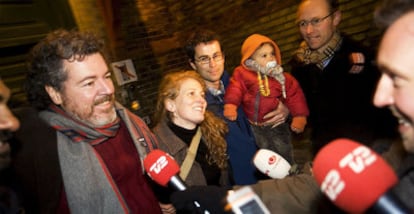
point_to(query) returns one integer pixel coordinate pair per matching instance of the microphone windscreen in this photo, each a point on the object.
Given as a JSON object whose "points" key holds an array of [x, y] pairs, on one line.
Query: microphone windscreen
{"points": [[351, 175], [271, 163], [160, 166]]}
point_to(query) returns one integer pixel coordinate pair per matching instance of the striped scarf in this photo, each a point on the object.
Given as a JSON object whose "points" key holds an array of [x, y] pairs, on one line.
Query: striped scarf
{"points": [[321, 56], [78, 131], [88, 184]]}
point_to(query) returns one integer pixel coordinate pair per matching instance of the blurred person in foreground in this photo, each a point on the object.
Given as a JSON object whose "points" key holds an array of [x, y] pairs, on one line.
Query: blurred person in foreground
{"points": [[395, 89], [9, 200], [80, 151]]}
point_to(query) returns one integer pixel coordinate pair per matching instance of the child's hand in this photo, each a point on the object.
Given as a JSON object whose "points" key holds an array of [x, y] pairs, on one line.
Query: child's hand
{"points": [[230, 112], [298, 124]]}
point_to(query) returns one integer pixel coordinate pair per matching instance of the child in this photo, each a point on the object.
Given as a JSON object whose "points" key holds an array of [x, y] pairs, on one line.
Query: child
{"points": [[259, 84]]}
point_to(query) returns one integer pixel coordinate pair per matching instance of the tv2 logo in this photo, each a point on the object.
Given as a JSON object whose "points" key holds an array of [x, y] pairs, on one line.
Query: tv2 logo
{"points": [[159, 164], [357, 160]]}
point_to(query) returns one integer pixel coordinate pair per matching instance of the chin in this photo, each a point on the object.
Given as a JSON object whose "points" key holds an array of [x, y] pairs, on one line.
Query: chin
{"points": [[103, 119]]}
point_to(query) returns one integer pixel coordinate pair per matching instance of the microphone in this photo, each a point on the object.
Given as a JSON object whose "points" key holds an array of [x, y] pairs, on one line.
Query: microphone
{"points": [[163, 169], [355, 178], [271, 164]]}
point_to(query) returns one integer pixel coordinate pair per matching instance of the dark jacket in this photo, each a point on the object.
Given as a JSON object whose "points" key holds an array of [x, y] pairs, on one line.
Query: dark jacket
{"points": [[404, 189], [340, 101], [35, 147], [241, 145]]}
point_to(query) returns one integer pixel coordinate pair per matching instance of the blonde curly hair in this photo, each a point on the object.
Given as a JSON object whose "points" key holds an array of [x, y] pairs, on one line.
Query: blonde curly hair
{"points": [[213, 128]]}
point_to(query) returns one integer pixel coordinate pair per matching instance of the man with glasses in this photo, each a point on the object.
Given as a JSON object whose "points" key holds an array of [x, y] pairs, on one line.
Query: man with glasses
{"points": [[337, 78], [207, 58]]}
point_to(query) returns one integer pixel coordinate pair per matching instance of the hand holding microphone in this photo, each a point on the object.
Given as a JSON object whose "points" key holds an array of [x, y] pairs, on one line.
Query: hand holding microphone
{"points": [[356, 179], [271, 164], [163, 169]]}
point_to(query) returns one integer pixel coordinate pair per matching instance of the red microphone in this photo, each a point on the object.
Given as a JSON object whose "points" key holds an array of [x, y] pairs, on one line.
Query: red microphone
{"points": [[355, 178], [163, 169]]}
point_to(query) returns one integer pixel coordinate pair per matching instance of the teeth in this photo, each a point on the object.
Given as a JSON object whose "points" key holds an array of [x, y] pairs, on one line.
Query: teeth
{"points": [[403, 122]]}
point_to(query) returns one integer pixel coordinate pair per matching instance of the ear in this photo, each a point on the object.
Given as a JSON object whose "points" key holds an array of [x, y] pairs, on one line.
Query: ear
{"points": [[54, 95], [337, 17], [192, 64], [170, 105]]}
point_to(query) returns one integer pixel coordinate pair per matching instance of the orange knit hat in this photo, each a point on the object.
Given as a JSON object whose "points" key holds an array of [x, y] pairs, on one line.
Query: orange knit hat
{"points": [[251, 44]]}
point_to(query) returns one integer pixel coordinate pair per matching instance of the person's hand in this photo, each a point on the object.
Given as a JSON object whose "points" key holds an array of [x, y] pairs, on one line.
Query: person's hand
{"points": [[196, 199], [167, 208], [276, 117], [298, 124], [230, 112]]}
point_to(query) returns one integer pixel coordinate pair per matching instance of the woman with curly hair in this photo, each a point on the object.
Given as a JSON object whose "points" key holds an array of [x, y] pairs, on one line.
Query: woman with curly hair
{"points": [[180, 114]]}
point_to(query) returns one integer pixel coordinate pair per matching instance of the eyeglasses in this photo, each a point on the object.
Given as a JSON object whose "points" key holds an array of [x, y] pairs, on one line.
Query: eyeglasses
{"points": [[314, 22], [206, 59]]}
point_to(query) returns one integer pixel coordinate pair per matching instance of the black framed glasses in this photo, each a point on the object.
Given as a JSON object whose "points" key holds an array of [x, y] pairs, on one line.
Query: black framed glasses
{"points": [[314, 22], [206, 59]]}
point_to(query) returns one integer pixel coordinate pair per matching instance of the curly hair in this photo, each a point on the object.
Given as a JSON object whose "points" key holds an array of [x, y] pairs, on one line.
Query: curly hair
{"points": [[45, 63], [197, 37], [391, 10], [213, 128]]}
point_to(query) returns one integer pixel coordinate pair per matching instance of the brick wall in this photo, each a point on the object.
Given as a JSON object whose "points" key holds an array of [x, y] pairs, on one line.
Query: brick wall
{"points": [[152, 32]]}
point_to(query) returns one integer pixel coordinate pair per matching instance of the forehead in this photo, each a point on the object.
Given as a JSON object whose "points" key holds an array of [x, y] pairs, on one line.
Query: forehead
{"points": [[265, 47], [207, 48], [190, 83], [396, 51], [91, 65], [312, 8]]}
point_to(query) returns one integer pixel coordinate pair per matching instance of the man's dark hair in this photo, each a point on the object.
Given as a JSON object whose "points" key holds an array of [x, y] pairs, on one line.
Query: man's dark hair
{"points": [[197, 37], [45, 63], [391, 10]]}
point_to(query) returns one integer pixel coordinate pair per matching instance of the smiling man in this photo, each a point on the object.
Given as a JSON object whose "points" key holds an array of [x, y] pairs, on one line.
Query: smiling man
{"points": [[396, 86], [337, 78], [80, 151]]}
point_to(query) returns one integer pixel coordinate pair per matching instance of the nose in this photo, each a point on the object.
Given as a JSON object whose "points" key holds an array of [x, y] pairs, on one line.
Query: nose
{"points": [[200, 98], [384, 92], [107, 86], [309, 28], [212, 63]]}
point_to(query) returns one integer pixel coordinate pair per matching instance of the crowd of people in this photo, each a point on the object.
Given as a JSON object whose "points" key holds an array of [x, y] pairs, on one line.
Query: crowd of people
{"points": [[75, 149]]}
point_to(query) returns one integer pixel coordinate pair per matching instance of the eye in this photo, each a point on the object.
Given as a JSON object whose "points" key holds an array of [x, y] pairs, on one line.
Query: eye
{"points": [[315, 21], [108, 75], [302, 23], [89, 83]]}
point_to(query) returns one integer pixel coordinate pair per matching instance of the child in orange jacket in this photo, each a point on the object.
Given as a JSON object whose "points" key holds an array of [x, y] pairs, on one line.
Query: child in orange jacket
{"points": [[259, 84]]}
